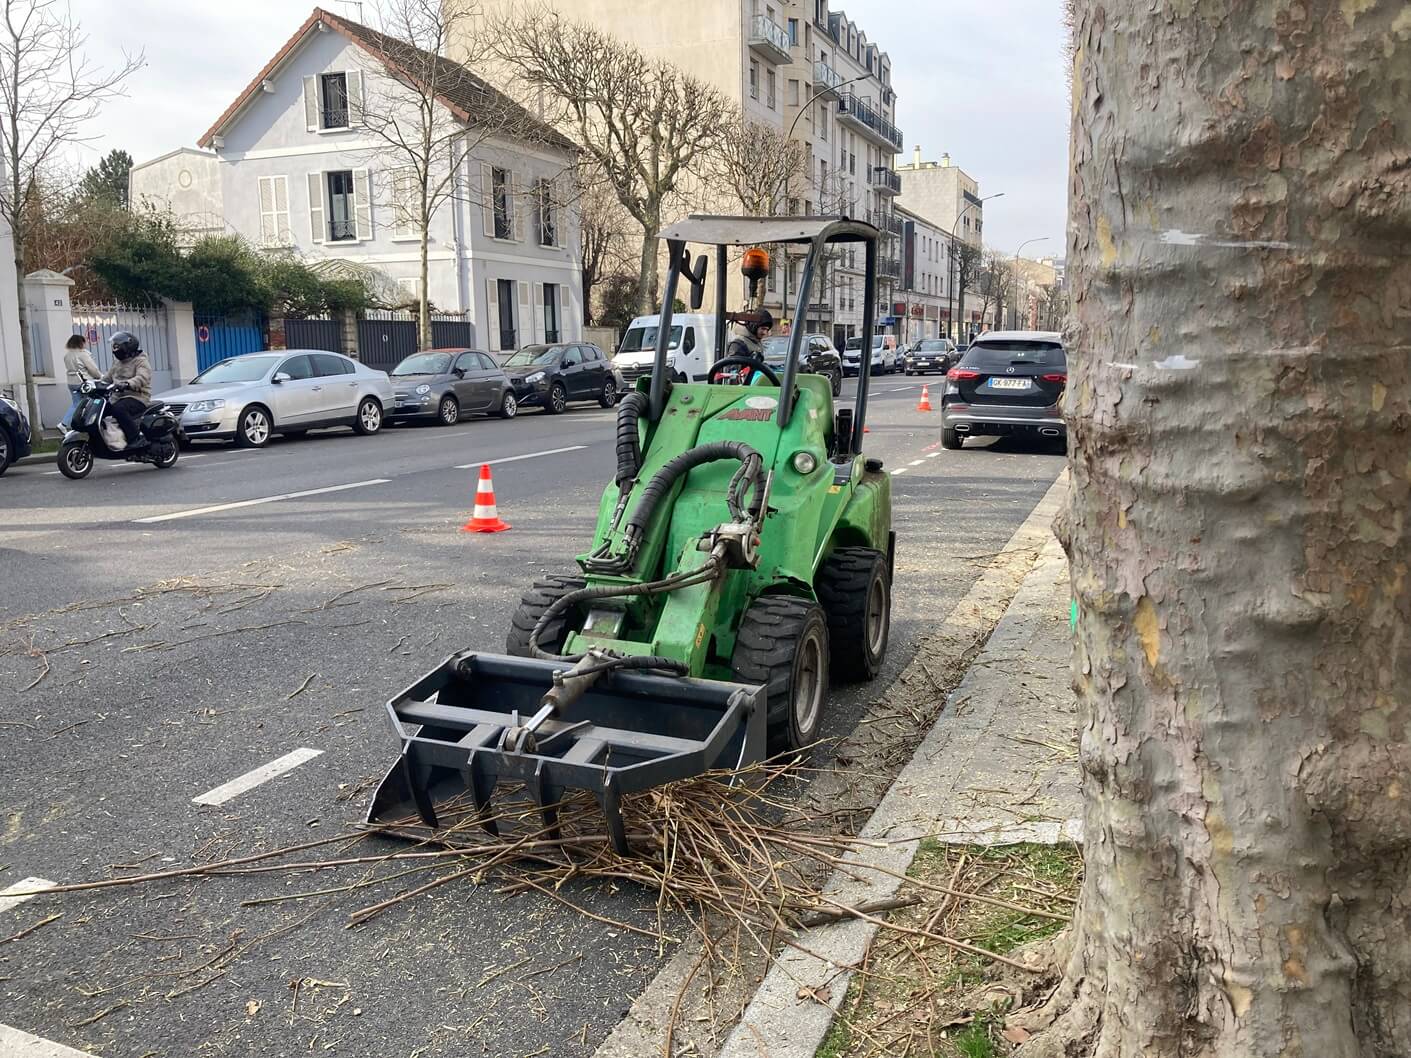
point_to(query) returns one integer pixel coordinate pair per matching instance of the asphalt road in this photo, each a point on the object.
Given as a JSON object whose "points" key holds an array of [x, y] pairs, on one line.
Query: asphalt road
{"points": [[163, 633]]}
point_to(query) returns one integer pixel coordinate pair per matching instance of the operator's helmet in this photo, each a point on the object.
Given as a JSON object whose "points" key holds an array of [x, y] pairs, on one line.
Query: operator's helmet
{"points": [[763, 319], [125, 345]]}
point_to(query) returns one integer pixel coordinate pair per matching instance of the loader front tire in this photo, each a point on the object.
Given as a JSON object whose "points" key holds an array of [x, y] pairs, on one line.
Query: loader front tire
{"points": [[782, 645], [544, 593], [853, 586]]}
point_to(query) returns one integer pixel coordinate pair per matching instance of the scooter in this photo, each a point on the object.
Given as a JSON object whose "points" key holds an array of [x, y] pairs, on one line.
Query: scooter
{"points": [[94, 434]]}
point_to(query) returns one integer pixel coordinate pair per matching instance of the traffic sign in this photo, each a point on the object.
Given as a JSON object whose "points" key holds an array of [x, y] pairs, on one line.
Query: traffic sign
{"points": [[203, 333]]}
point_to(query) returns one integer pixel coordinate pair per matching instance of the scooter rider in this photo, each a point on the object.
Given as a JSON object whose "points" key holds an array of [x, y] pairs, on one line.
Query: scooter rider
{"points": [[131, 375]]}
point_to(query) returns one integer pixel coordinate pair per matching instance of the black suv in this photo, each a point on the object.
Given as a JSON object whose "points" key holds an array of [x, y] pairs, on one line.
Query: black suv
{"points": [[1007, 382], [816, 357], [552, 375], [14, 432]]}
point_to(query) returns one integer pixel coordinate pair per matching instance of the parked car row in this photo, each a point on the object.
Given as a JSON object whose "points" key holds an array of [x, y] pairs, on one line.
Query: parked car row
{"points": [[247, 399], [14, 432]]}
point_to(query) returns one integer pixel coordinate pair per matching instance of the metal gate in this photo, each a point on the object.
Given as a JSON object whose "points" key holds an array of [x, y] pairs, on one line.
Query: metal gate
{"points": [[98, 323], [385, 338], [313, 333], [452, 334], [221, 337]]}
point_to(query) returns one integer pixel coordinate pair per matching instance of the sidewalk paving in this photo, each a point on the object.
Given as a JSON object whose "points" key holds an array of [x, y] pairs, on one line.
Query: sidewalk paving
{"points": [[999, 767]]}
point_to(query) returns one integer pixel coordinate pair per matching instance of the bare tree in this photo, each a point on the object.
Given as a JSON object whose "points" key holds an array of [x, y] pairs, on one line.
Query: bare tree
{"points": [[758, 169], [49, 90], [996, 285], [1238, 408], [429, 116], [602, 226], [965, 264], [643, 122]]}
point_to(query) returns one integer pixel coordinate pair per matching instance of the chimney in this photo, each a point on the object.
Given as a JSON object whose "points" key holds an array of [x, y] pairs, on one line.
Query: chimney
{"points": [[945, 161], [916, 157]]}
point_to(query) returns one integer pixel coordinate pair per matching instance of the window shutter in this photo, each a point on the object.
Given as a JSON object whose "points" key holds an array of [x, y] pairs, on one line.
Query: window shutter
{"points": [[487, 199], [362, 203], [492, 314], [564, 331], [311, 103], [518, 204], [316, 211], [525, 321], [541, 325], [268, 228], [355, 98], [406, 207], [282, 230]]}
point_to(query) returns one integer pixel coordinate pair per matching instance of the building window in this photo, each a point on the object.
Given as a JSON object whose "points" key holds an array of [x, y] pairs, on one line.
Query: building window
{"points": [[793, 33], [502, 201], [342, 220], [823, 121], [754, 80], [546, 222], [504, 294], [551, 312], [793, 93], [769, 92], [333, 98]]}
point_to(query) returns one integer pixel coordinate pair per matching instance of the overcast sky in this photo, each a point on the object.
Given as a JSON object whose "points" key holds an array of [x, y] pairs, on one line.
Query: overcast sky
{"points": [[980, 79]]}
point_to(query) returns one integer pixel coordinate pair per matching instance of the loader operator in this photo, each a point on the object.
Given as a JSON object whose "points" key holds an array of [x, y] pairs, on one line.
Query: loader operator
{"points": [[749, 335]]}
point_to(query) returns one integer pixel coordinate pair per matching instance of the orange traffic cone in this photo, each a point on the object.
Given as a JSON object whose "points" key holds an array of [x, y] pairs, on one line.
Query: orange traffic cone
{"points": [[484, 519], [925, 403]]}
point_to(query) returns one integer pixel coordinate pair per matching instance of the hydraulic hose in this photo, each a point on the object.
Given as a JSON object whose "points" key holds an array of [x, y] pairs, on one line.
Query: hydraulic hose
{"points": [[708, 571], [749, 476], [629, 445]]}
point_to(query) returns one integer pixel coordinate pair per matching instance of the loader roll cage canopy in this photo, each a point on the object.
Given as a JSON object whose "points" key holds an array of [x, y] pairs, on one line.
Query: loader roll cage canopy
{"points": [[817, 233]]}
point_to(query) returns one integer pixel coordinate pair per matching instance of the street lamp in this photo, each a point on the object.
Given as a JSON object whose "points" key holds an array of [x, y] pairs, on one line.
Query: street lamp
{"points": [[789, 180], [1014, 306], [952, 279]]}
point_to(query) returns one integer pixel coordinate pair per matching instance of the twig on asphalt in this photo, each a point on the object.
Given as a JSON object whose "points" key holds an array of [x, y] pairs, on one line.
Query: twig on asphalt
{"points": [[302, 688], [99, 1016], [26, 932], [70, 727], [36, 652], [209, 635], [826, 916], [332, 602]]}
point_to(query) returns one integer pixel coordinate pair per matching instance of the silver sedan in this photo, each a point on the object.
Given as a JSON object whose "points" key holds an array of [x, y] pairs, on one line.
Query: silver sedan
{"points": [[291, 391]]}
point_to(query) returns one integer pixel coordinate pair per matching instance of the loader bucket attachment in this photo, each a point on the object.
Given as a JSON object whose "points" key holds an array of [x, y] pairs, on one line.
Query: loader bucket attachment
{"points": [[630, 732]]}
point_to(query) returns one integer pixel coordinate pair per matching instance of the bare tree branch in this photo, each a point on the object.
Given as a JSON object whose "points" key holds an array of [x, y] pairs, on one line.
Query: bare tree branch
{"points": [[49, 90]]}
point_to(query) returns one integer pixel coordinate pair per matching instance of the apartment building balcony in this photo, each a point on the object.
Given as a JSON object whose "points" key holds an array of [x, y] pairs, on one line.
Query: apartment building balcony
{"points": [[827, 81], [889, 268], [863, 118], [769, 40], [885, 221], [885, 181]]}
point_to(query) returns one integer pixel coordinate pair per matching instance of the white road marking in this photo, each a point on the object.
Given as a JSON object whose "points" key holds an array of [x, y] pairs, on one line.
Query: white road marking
{"points": [[916, 462], [264, 773], [932, 455], [899, 470], [30, 887], [263, 499], [516, 459], [17, 1044]]}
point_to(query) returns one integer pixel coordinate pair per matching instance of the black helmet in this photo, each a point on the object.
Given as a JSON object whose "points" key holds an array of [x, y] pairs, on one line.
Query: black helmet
{"points": [[762, 319], [125, 345]]}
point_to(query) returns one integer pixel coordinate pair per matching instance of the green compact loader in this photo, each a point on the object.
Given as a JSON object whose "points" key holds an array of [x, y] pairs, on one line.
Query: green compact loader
{"points": [[742, 558]]}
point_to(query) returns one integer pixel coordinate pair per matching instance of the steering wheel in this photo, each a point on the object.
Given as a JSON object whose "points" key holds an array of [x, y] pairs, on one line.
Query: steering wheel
{"points": [[713, 375]]}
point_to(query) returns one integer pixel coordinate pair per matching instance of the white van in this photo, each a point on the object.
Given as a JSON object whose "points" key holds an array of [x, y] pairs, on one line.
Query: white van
{"points": [[690, 349]]}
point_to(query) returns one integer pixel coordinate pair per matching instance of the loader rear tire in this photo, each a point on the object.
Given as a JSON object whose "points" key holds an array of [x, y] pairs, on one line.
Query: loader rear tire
{"points": [[544, 593], [853, 586], [782, 644]]}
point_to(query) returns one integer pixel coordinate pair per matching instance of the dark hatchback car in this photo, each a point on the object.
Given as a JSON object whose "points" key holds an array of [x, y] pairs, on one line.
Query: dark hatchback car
{"points": [[445, 385], [816, 357], [930, 354], [1007, 382], [14, 432], [552, 375]]}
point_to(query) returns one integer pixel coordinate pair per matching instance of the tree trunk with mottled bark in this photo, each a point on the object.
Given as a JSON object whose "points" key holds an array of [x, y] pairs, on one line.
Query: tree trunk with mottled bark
{"points": [[1240, 415]]}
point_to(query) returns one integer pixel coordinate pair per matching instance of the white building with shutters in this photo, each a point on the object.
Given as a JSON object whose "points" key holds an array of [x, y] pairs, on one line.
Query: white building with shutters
{"points": [[298, 173]]}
